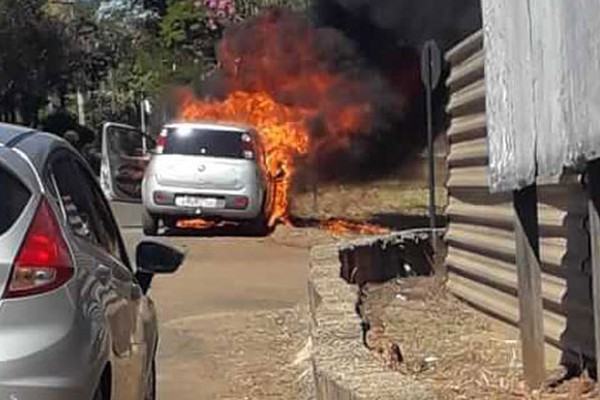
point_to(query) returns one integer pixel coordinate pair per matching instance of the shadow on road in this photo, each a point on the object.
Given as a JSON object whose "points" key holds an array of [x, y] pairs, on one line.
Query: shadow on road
{"points": [[229, 230]]}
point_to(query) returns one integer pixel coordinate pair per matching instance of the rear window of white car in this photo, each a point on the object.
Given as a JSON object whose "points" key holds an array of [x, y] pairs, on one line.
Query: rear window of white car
{"points": [[13, 200], [206, 142]]}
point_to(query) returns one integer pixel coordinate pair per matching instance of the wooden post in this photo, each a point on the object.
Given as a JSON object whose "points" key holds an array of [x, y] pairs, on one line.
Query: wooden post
{"points": [[593, 183], [530, 284]]}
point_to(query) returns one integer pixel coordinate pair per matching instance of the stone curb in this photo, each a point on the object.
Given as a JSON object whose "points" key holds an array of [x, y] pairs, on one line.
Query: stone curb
{"points": [[343, 368]]}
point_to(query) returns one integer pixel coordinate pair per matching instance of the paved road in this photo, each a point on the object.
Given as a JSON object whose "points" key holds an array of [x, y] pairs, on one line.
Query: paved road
{"points": [[230, 321]]}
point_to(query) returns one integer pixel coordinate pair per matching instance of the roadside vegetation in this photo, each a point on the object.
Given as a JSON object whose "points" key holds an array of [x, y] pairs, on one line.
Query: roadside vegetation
{"points": [[66, 63]]}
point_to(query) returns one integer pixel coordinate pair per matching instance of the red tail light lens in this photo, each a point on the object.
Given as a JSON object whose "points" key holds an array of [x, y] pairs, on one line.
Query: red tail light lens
{"points": [[161, 142], [43, 263], [240, 202], [247, 147]]}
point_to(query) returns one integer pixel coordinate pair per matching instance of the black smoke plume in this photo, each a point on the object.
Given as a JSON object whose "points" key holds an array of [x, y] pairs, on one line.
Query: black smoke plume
{"points": [[388, 35], [374, 42]]}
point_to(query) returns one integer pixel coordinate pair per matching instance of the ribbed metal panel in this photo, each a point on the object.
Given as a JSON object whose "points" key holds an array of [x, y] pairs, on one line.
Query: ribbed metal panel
{"points": [[480, 235]]}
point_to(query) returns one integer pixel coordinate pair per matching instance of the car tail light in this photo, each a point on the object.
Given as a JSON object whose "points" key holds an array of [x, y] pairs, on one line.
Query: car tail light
{"points": [[247, 147], [163, 198], [240, 202], [161, 142], [43, 262]]}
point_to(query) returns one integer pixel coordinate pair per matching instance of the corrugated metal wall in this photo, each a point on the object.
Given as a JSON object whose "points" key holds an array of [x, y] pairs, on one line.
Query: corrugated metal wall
{"points": [[480, 236]]}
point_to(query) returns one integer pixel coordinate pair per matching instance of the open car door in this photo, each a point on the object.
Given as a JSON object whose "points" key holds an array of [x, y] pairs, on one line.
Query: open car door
{"points": [[125, 156]]}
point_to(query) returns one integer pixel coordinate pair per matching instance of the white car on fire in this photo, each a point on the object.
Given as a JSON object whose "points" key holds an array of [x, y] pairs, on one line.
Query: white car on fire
{"points": [[209, 171]]}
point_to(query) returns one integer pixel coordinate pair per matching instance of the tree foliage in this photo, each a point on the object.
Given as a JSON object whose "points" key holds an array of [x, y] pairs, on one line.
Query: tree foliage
{"points": [[115, 51], [32, 58]]}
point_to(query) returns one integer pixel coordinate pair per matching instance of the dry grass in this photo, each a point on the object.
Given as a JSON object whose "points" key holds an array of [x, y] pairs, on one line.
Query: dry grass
{"points": [[364, 201], [455, 349]]}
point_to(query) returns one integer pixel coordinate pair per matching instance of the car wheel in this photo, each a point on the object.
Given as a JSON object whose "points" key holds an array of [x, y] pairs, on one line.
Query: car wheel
{"points": [[260, 225], [170, 222], [151, 385], [149, 223]]}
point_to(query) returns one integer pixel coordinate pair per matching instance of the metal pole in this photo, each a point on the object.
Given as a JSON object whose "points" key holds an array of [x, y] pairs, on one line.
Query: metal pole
{"points": [[431, 72], [431, 156], [143, 116], [81, 107]]}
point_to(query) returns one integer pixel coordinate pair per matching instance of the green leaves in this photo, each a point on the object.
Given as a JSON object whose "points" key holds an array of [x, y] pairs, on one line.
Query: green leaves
{"points": [[182, 24], [32, 57], [114, 50]]}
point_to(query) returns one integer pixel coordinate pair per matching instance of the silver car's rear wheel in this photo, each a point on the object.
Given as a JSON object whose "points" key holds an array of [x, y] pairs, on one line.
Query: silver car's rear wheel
{"points": [[149, 223], [260, 225]]}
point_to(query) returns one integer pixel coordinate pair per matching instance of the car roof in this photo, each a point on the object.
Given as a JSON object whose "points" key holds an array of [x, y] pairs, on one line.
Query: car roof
{"points": [[217, 126], [9, 132], [35, 145]]}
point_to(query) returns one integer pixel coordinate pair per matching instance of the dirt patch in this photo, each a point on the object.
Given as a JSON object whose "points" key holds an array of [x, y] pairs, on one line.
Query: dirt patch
{"points": [[256, 352], [450, 347], [306, 238]]}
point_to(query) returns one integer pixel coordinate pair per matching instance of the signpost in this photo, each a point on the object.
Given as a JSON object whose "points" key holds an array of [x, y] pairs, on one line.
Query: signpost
{"points": [[145, 110], [431, 73]]}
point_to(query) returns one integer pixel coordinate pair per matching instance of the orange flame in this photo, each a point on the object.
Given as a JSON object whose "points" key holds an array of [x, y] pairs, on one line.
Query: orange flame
{"points": [[342, 228], [196, 224], [281, 87]]}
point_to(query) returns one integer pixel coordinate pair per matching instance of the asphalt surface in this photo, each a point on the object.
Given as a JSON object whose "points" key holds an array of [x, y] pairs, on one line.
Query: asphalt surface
{"points": [[231, 319]]}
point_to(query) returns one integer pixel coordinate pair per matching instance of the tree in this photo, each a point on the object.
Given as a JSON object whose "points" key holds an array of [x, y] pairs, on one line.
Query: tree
{"points": [[32, 59]]}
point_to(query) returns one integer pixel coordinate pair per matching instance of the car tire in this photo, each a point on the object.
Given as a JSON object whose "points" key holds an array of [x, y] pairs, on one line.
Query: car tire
{"points": [[151, 385], [260, 225], [149, 223], [170, 222]]}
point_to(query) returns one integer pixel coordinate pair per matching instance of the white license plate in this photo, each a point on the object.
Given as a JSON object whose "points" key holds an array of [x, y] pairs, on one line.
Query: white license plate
{"points": [[198, 202]]}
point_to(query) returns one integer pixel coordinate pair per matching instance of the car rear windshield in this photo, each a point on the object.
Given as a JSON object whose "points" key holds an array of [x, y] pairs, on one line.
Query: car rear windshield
{"points": [[205, 142], [13, 200]]}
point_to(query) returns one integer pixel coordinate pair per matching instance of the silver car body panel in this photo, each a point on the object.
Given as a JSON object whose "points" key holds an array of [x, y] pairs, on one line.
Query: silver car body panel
{"points": [[56, 345]]}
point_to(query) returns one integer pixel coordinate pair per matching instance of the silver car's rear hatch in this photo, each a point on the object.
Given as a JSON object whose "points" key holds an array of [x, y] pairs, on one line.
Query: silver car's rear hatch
{"points": [[207, 158], [208, 173], [16, 211]]}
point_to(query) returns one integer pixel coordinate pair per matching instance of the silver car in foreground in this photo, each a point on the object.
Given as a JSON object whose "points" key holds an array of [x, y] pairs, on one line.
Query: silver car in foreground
{"points": [[209, 171], [75, 321]]}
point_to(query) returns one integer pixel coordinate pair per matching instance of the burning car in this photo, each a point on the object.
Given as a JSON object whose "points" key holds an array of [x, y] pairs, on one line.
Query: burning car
{"points": [[210, 171]]}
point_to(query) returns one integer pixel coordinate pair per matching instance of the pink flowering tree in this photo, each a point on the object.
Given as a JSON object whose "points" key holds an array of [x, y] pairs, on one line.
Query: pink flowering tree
{"points": [[219, 12]]}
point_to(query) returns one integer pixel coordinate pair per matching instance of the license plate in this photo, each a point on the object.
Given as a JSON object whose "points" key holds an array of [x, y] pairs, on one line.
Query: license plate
{"points": [[196, 202]]}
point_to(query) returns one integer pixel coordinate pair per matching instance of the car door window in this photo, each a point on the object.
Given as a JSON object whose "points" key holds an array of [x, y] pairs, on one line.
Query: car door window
{"points": [[13, 200], [74, 197], [114, 243], [86, 211]]}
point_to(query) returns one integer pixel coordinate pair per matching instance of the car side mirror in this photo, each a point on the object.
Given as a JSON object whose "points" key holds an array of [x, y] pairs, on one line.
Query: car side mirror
{"points": [[155, 258]]}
